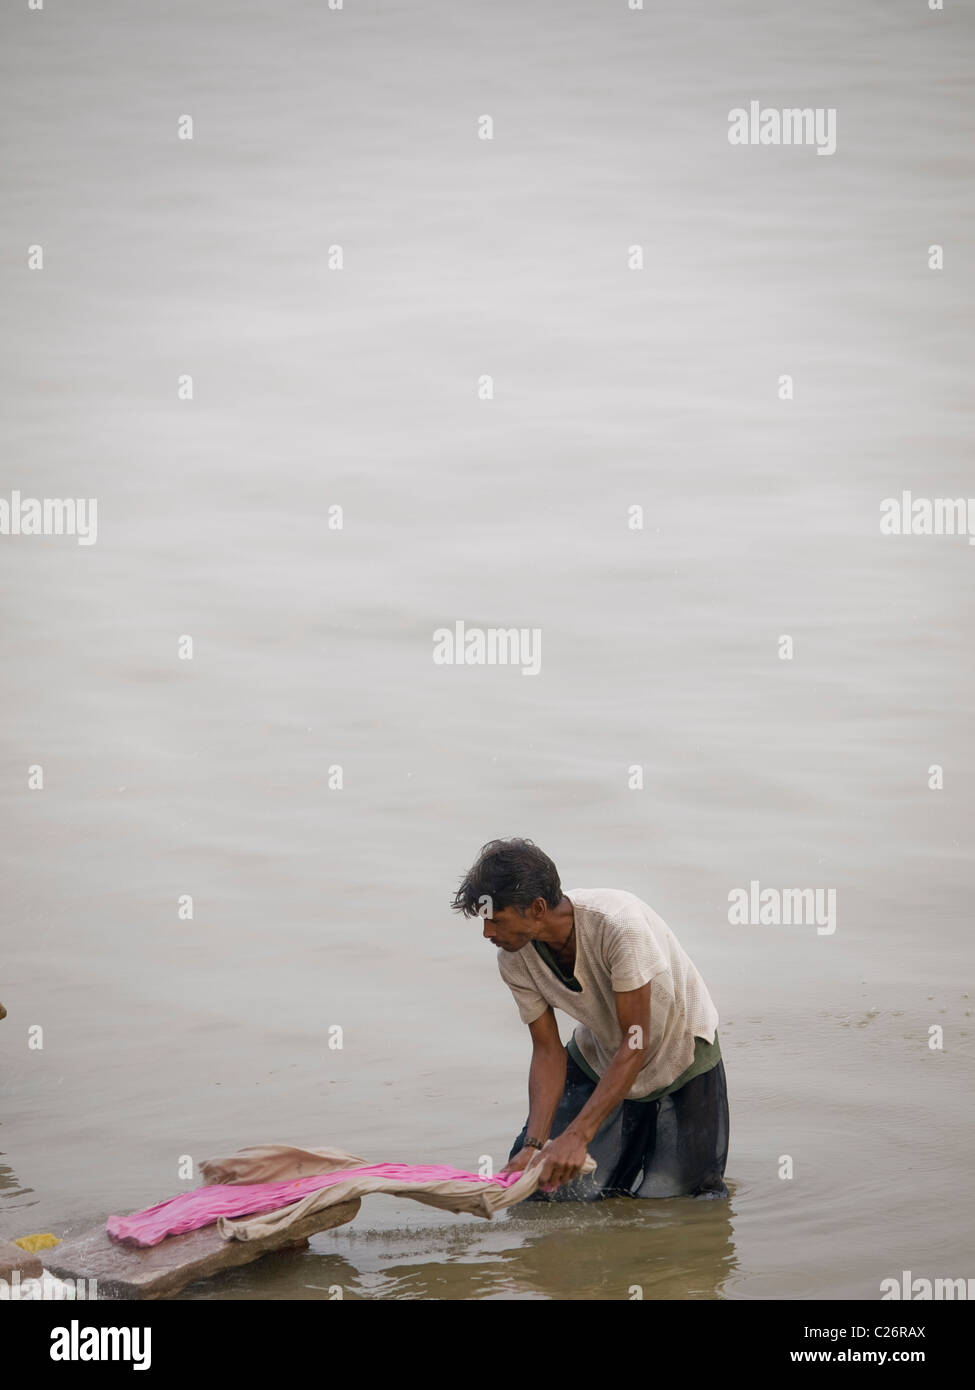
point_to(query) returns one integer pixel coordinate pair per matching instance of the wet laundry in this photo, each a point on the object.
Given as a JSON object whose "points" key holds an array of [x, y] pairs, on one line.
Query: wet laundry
{"points": [[277, 1185]]}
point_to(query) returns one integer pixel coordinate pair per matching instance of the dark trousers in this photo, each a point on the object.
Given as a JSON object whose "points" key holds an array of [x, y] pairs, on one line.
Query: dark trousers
{"points": [[673, 1147]]}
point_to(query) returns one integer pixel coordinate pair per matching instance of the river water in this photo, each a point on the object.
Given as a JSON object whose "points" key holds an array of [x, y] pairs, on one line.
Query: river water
{"points": [[316, 907]]}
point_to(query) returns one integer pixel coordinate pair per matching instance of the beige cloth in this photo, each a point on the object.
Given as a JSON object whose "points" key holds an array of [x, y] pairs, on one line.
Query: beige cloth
{"points": [[621, 944], [282, 1162], [276, 1163]]}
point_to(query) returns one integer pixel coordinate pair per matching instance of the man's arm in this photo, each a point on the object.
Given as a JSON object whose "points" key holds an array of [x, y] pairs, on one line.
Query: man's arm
{"points": [[546, 1082], [564, 1157]]}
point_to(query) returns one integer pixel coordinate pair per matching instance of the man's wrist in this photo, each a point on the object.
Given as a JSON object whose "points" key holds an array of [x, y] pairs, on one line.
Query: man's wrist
{"points": [[532, 1142], [577, 1131]]}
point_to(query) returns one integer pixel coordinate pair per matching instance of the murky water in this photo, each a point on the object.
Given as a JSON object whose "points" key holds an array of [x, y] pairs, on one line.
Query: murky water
{"points": [[315, 388]]}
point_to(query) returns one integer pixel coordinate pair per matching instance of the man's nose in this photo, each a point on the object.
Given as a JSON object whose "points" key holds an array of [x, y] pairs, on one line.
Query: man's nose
{"points": [[489, 931]]}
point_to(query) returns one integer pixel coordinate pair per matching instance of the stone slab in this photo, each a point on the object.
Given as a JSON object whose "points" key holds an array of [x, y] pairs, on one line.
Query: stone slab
{"points": [[125, 1271], [12, 1257]]}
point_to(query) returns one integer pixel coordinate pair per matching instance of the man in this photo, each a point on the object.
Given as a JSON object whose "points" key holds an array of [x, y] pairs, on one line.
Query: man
{"points": [[641, 1084]]}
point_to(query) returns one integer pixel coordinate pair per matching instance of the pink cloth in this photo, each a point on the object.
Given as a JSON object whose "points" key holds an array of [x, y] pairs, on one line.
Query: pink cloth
{"points": [[204, 1205]]}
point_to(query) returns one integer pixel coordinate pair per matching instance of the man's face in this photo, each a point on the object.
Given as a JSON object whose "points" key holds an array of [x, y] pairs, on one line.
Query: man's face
{"points": [[511, 928]]}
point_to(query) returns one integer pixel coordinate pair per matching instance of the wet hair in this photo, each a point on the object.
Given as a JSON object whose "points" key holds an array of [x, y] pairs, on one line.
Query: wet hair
{"points": [[511, 873]]}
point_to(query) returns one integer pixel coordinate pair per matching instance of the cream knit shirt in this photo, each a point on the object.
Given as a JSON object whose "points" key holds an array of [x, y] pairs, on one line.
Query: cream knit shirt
{"points": [[621, 944]]}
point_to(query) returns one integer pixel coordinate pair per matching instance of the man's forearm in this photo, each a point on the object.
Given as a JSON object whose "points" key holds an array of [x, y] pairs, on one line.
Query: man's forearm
{"points": [[546, 1082], [612, 1088]]}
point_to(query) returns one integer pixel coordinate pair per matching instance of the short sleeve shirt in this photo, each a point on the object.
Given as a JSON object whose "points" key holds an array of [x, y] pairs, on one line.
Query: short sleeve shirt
{"points": [[621, 944]]}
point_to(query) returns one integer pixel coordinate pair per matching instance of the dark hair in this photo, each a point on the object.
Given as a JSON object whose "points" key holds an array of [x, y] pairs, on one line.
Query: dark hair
{"points": [[512, 873]]}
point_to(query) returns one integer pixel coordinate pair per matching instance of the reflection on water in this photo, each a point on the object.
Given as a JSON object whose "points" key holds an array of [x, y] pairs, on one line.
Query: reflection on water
{"points": [[12, 1198], [611, 1250]]}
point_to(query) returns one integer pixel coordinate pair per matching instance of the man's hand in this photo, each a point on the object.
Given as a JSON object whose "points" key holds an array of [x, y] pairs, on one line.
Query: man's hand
{"points": [[519, 1163], [562, 1160]]}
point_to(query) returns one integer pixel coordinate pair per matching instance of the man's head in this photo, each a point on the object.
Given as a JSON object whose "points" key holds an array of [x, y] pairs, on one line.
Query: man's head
{"points": [[514, 887]]}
